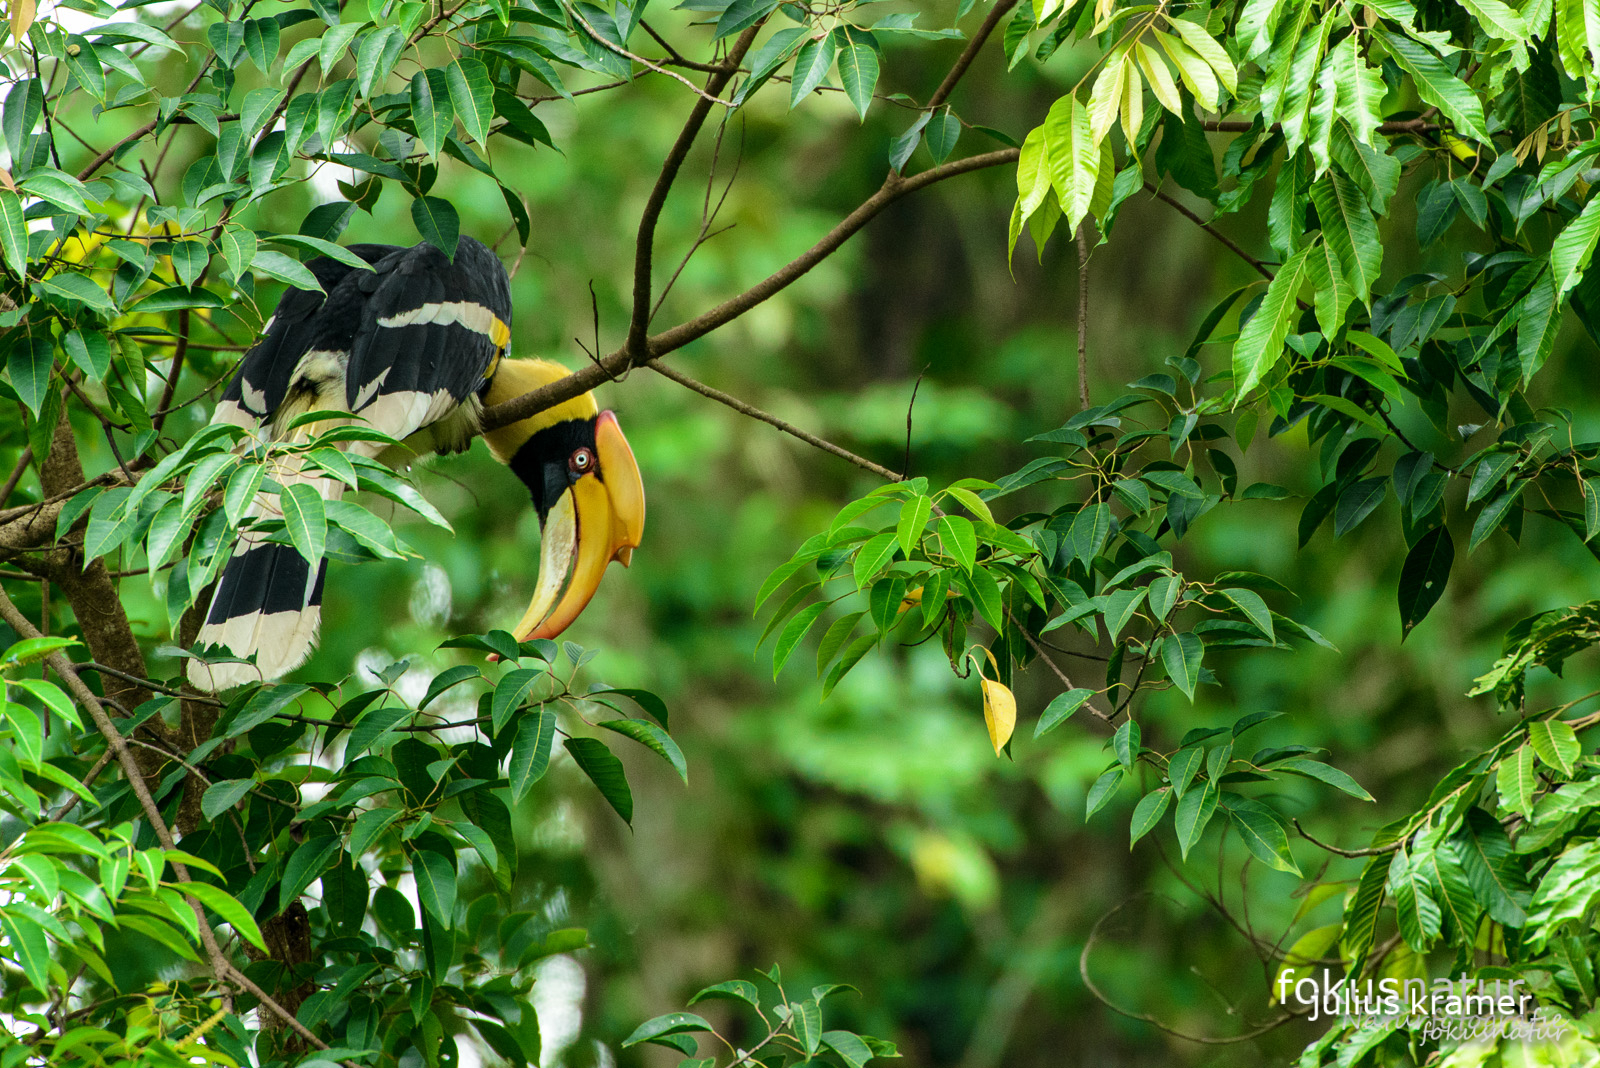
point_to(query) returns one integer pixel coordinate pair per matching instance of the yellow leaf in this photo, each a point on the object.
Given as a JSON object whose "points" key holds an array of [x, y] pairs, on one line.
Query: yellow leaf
{"points": [[1132, 105], [1107, 95], [1161, 83], [1208, 49], [1194, 71], [999, 713], [22, 14]]}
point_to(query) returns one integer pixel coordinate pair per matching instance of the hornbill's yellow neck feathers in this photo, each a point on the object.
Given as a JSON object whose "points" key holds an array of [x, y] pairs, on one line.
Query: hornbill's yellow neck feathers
{"points": [[585, 486], [414, 347]]}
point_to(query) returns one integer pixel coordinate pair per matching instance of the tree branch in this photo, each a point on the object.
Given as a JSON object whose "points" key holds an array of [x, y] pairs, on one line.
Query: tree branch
{"points": [[638, 344], [968, 54]]}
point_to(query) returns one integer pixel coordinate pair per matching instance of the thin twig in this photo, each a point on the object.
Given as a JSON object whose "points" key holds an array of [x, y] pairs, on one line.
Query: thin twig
{"points": [[1083, 315], [1061, 676], [710, 97], [677, 58], [1375, 852], [753, 412], [1100, 995], [16, 474], [1212, 230]]}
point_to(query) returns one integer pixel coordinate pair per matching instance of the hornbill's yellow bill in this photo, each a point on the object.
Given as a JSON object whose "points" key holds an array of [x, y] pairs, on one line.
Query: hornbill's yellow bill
{"points": [[585, 486]]}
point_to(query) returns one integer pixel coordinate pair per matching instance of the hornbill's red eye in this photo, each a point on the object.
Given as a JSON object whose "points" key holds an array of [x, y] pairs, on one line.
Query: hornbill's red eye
{"points": [[581, 462]]}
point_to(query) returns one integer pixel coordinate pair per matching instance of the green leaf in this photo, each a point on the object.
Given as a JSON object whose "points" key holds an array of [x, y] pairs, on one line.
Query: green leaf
{"points": [[986, 595], [1333, 292], [1574, 246], [914, 516], [849, 1047], [1262, 834], [1489, 518], [1418, 914], [1103, 790], [431, 111], [509, 692], [1316, 769], [29, 947], [228, 907], [1183, 766], [279, 266], [306, 864], [1361, 912], [1517, 781], [672, 1023], [1120, 607], [1499, 19], [943, 131], [1437, 84], [436, 885], [1424, 576], [1492, 867], [1350, 230], [1147, 813], [369, 826], [79, 287], [872, 556], [732, 990], [652, 737], [306, 520], [530, 752], [793, 632], [740, 15], [1356, 502], [810, 67], [222, 796], [1062, 706], [959, 539], [437, 222], [30, 365], [471, 96], [1181, 655], [13, 233], [1195, 810], [1556, 744], [1254, 609], [1260, 343], [605, 771], [858, 67]]}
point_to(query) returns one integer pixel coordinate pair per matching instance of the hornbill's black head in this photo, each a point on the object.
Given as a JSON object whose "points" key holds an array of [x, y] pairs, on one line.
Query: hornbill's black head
{"points": [[584, 483]]}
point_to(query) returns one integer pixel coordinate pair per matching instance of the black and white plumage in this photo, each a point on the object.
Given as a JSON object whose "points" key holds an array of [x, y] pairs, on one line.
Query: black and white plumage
{"points": [[409, 346]]}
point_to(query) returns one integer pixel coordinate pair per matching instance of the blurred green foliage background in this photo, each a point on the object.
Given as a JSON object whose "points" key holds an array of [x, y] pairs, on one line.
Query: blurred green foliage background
{"points": [[874, 838]]}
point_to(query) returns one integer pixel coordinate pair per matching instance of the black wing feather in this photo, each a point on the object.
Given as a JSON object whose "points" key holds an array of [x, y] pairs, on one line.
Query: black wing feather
{"points": [[262, 380], [432, 356]]}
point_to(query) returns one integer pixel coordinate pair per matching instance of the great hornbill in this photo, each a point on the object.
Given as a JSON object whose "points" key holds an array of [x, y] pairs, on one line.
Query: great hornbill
{"points": [[415, 348]]}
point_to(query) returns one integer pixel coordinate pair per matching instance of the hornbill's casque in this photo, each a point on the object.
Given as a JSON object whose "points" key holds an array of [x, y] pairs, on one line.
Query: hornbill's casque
{"points": [[415, 348]]}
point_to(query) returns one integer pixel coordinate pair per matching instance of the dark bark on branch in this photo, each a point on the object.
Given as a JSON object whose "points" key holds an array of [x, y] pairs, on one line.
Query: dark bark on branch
{"points": [[644, 247], [968, 54], [90, 591]]}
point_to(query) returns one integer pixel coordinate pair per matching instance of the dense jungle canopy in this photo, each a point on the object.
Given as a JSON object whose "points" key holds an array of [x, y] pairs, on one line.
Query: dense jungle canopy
{"points": [[1067, 425]]}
